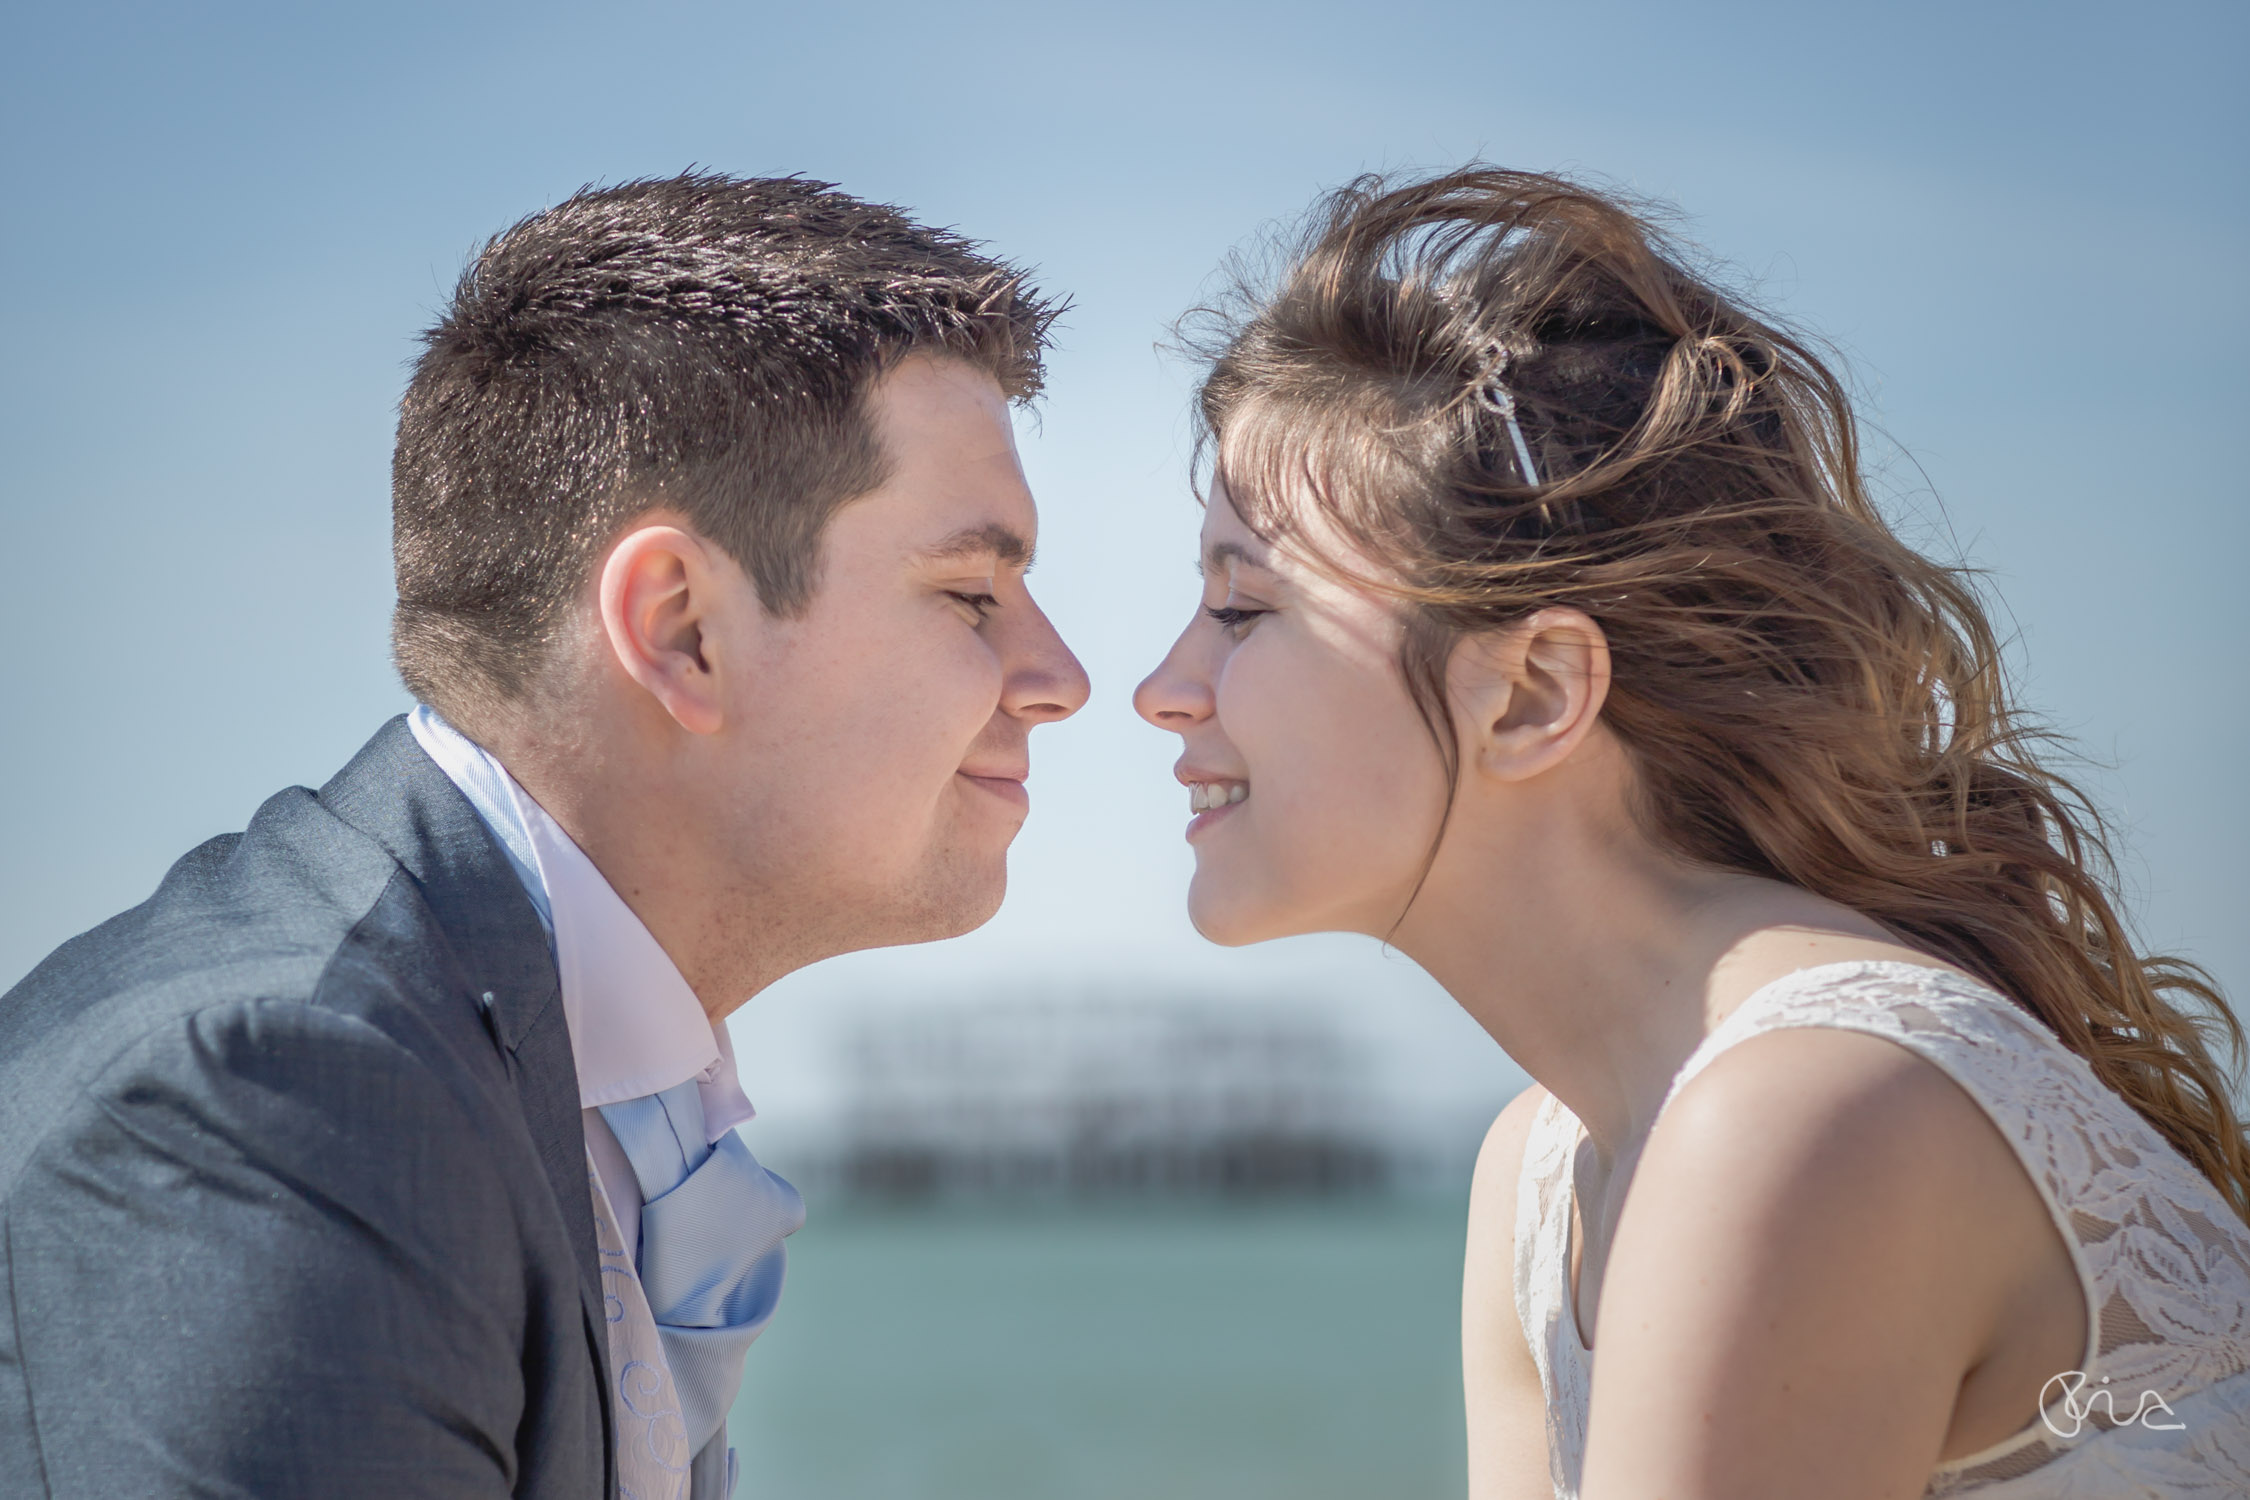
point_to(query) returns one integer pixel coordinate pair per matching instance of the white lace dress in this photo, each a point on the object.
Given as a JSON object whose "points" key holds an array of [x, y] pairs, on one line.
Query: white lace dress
{"points": [[2163, 1262]]}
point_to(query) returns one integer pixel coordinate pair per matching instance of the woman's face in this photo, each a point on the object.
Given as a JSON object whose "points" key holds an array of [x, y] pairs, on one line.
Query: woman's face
{"points": [[1315, 791]]}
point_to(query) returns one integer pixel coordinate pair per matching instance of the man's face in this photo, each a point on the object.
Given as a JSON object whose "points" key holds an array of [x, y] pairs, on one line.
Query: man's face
{"points": [[879, 742]]}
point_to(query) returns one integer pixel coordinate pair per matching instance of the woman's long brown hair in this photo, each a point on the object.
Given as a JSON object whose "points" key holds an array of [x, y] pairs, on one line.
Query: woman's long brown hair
{"points": [[1803, 696]]}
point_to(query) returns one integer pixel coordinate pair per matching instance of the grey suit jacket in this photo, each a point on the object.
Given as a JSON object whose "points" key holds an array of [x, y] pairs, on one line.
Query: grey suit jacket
{"points": [[285, 1207]]}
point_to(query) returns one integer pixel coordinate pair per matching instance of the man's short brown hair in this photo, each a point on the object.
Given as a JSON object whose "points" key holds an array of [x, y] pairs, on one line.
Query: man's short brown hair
{"points": [[703, 343]]}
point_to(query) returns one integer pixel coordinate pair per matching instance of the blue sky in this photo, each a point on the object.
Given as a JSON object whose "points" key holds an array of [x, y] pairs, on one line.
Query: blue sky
{"points": [[2025, 227]]}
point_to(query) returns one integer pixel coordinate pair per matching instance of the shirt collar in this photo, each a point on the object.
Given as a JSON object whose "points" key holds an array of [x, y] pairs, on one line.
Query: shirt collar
{"points": [[636, 1028]]}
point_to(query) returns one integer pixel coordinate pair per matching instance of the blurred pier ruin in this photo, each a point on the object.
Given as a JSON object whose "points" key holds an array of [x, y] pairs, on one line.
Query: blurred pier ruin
{"points": [[1093, 1098]]}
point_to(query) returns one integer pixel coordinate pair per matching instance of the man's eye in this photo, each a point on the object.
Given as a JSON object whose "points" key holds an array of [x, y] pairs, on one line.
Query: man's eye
{"points": [[1233, 618], [983, 604]]}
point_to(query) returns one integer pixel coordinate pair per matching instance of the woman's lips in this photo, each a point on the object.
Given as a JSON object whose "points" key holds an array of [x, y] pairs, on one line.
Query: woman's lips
{"points": [[1212, 798], [1202, 821]]}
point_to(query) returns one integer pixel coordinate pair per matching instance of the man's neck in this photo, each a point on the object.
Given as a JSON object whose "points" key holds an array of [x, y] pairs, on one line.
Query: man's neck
{"points": [[628, 807]]}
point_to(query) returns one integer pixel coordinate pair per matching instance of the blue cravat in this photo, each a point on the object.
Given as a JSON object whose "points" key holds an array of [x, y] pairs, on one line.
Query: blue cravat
{"points": [[712, 1223], [712, 1219]]}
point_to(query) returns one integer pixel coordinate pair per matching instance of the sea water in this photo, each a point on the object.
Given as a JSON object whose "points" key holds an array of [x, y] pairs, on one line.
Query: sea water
{"points": [[995, 1352]]}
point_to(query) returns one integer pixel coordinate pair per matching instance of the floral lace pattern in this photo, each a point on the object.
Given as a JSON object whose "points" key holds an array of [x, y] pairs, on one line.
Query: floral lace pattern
{"points": [[2162, 1259]]}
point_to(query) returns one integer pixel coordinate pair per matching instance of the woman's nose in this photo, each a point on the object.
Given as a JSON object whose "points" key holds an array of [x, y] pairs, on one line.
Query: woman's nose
{"points": [[1174, 696]]}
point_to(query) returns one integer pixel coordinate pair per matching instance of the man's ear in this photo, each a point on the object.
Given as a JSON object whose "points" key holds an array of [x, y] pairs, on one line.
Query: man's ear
{"points": [[659, 587], [1526, 695]]}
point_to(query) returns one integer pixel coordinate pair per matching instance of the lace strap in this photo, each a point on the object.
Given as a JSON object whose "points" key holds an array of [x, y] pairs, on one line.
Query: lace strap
{"points": [[1545, 1161], [1542, 1285]]}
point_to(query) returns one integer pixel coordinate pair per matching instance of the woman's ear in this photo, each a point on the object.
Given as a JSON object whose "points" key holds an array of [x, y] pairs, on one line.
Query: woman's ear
{"points": [[657, 590], [1526, 695]]}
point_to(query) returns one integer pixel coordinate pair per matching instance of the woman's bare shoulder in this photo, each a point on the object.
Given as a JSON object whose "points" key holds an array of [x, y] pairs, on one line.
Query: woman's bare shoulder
{"points": [[1834, 1086], [1819, 1200], [1799, 1121]]}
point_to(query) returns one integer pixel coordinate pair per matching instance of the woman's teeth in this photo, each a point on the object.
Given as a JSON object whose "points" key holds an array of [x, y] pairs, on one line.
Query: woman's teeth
{"points": [[1205, 795]]}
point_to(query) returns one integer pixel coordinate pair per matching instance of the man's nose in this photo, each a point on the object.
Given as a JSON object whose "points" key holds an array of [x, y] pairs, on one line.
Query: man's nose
{"points": [[1173, 696], [1046, 681]]}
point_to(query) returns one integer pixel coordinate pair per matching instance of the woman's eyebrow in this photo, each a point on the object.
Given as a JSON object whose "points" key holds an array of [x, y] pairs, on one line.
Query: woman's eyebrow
{"points": [[1219, 554], [1000, 543]]}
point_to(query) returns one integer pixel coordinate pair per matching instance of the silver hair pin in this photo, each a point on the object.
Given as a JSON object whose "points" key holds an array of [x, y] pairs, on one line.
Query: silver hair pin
{"points": [[1503, 401]]}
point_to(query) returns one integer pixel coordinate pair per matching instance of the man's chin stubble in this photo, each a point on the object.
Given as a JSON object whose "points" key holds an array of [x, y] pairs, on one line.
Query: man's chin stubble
{"points": [[947, 904]]}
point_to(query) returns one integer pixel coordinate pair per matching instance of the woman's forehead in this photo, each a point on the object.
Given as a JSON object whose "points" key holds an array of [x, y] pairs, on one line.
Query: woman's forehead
{"points": [[1224, 529], [1311, 549]]}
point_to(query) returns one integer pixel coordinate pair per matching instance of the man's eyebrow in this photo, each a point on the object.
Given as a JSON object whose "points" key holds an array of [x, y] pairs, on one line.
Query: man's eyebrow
{"points": [[991, 540]]}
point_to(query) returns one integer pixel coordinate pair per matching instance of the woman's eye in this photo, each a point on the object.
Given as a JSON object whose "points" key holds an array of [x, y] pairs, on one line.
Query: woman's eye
{"points": [[982, 604], [1233, 618]]}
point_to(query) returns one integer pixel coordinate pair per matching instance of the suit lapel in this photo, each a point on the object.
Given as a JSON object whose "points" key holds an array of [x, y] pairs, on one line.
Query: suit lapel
{"points": [[396, 795], [540, 1051]]}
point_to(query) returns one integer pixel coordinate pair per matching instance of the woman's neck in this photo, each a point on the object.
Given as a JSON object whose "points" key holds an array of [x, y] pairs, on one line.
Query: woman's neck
{"points": [[1599, 963]]}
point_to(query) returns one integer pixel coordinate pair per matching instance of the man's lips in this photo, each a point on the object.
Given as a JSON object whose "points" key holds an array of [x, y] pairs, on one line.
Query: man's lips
{"points": [[1006, 785]]}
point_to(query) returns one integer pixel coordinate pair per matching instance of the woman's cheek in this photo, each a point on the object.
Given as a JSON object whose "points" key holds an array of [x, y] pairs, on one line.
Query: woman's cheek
{"points": [[1293, 723]]}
